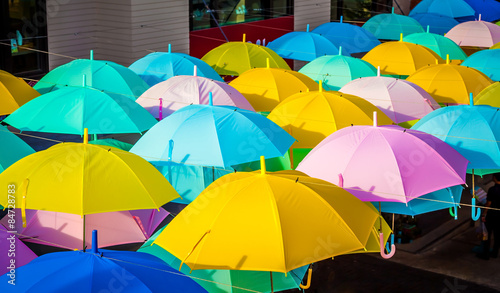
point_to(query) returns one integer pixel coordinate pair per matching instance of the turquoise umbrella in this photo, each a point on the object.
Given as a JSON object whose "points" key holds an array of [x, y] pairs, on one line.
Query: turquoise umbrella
{"points": [[486, 61], [12, 148], [72, 109], [160, 66], [450, 8], [438, 24], [106, 76], [232, 281], [337, 71], [439, 44], [390, 26]]}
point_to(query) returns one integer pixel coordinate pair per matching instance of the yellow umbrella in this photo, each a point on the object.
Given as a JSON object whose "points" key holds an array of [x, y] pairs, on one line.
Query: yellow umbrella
{"points": [[489, 96], [450, 83], [401, 58], [14, 92], [268, 222], [266, 87], [234, 58], [496, 46]]}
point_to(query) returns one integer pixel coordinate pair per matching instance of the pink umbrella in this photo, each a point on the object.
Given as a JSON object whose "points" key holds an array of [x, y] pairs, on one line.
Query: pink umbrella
{"points": [[13, 250], [399, 99], [386, 163], [65, 230], [475, 33], [180, 91]]}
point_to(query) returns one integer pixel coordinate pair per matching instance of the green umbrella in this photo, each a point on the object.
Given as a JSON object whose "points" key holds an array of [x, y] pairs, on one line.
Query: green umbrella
{"points": [[388, 26], [439, 44], [232, 281], [12, 148]]}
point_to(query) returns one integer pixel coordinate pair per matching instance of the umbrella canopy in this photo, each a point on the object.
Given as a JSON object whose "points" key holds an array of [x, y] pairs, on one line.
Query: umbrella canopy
{"points": [[496, 46], [472, 130], [351, 37], [265, 88], [438, 24], [160, 66], [232, 281], [215, 136], [22, 254], [14, 92], [489, 10], [71, 110], [66, 230], [475, 33], [449, 8], [399, 99], [486, 61], [105, 76], [279, 239], [449, 83], [389, 26], [489, 96], [385, 163], [180, 91], [336, 71], [437, 43], [401, 58], [82, 179], [12, 148], [234, 58]]}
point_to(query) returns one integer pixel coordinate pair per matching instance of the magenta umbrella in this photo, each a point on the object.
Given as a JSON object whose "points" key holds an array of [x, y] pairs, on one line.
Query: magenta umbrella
{"points": [[13, 250], [65, 230], [399, 99], [386, 163], [475, 33]]}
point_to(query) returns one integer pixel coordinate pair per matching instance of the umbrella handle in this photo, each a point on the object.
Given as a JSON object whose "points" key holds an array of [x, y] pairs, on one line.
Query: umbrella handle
{"points": [[309, 277], [387, 245], [382, 252], [453, 211], [475, 215]]}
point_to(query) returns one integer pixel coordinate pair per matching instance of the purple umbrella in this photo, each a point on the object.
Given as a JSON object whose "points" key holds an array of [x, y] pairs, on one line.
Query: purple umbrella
{"points": [[14, 252]]}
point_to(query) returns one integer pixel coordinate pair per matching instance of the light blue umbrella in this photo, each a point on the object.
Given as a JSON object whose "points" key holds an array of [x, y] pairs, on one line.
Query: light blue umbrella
{"points": [[214, 136], [352, 38], [486, 61], [160, 66], [438, 24], [304, 46], [390, 26], [439, 44], [450, 8], [488, 9], [12, 148]]}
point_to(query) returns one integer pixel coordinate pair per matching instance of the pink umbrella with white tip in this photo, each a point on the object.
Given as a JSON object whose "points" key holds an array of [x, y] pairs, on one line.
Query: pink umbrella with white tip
{"points": [[476, 33]]}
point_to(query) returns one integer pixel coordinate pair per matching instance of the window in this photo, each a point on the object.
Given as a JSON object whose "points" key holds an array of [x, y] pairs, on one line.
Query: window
{"points": [[359, 10]]}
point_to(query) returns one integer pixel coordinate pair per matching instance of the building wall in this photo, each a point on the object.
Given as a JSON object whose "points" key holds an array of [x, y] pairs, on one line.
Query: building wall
{"points": [[312, 12]]}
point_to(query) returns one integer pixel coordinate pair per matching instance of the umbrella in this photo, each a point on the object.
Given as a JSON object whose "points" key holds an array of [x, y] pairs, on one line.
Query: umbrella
{"points": [[160, 66], [449, 8], [438, 24], [14, 92], [105, 76], [233, 281], [486, 61], [401, 58], [265, 88], [475, 33], [220, 230], [389, 26], [385, 163], [70, 110], [399, 99], [180, 91], [450, 83], [437, 43], [234, 58], [489, 96], [21, 255], [351, 37], [496, 46], [304, 46], [12, 148], [214, 136], [99, 271], [489, 10], [66, 230], [112, 142], [336, 71]]}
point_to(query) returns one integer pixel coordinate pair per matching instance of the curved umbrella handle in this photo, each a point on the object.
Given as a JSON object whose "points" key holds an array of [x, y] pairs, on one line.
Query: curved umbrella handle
{"points": [[309, 277], [475, 215], [387, 245], [382, 252], [453, 211]]}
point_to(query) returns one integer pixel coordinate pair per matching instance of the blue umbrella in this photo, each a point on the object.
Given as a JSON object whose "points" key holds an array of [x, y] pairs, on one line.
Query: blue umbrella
{"points": [[390, 26], [160, 66], [488, 9], [351, 37], [450, 8], [12, 148], [98, 271], [486, 61], [304, 46], [438, 24]]}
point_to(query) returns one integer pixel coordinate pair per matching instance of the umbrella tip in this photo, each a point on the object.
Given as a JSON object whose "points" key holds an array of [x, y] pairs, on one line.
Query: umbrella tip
{"points": [[340, 50], [307, 28], [320, 85], [85, 135], [244, 38], [267, 63], [210, 99], [169, 48], [447, 58], [91, 54], [378, 71], [428, 28], [479, 19], [471, 99], [341, 19], [392, 10], [375, 122], [262, 165], [195, 71], [401, 37], [94, 242]]}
